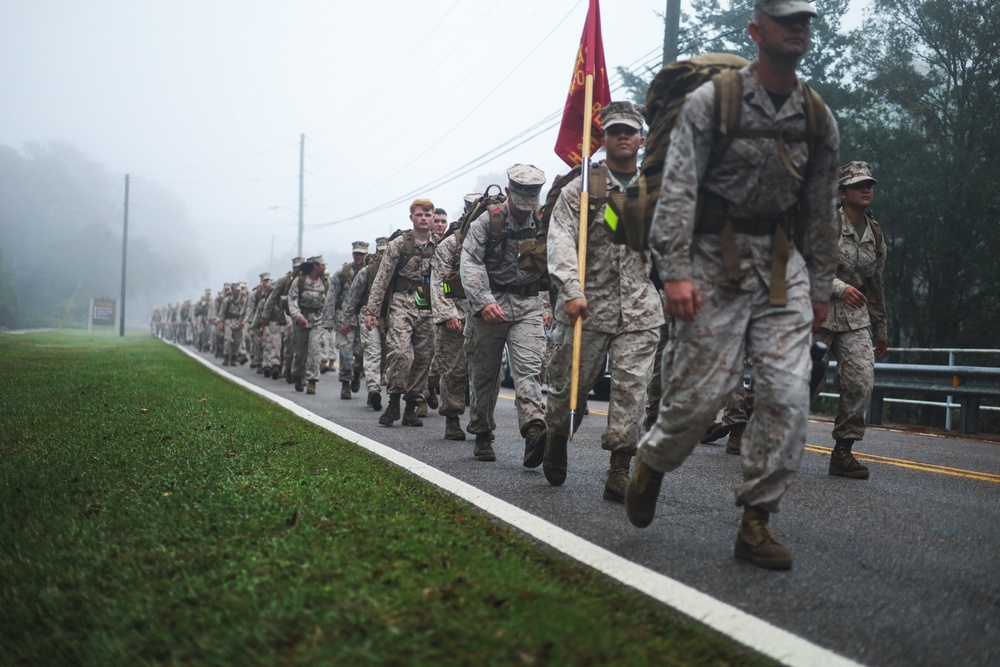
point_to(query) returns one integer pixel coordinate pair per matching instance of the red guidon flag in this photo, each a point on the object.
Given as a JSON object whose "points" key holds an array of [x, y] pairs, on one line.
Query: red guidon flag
{"points": [[589, 60]]}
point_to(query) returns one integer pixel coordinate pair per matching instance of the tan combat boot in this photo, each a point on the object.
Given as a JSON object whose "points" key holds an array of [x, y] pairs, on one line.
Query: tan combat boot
{"points": [[311, 387], [453, 429], [410, 416], [483, 449], [391, 413], [345, 390], [843, 463], [617, 482], [735, 440], [641, 494], [756, 543]]}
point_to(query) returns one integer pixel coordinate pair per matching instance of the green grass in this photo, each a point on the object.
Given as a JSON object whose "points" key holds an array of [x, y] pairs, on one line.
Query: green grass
{"points": [[153, 513]]}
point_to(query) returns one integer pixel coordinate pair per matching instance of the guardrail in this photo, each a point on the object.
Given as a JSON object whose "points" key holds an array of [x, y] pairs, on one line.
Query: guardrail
{"points": [[970, 384]]}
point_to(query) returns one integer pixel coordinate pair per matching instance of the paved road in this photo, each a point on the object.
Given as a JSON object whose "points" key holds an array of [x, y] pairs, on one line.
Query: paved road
{"points": [[900, 569]]}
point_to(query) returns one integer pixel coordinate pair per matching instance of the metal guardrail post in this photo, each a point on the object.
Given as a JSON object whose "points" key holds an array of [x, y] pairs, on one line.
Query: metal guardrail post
{"points": [[970, 414], [947, 410]]}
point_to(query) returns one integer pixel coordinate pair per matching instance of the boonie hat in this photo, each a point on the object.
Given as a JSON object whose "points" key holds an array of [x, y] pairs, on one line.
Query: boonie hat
{"points": [[855, 172], [780, 8], [525, 182]]}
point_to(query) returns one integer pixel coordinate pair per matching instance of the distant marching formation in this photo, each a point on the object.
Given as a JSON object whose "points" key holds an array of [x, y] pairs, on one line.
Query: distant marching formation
{"points": [[738, 243]]}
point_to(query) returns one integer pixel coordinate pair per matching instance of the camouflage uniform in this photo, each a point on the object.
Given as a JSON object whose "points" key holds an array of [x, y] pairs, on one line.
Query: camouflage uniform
{"points": [[736, 317], [216, 320], [254, 301], [449, 354], [849, 331], [349, 346], [371, 340], [624, 315], [232, 324], [409, 328], [306, 297], [491, 276], [274, 311]]}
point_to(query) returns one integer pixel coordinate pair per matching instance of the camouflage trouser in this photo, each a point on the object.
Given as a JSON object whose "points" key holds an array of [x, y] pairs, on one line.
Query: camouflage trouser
{"points": [[308, 345], [371, 342], [351, 351], [707, 365], [854, 378], [655, 391], [631, 357], [409, 338], [232, 337], [449, 356], [287, 348], [739, 407], [271, 346], [257, 335], [188, 333], [484, 343]]}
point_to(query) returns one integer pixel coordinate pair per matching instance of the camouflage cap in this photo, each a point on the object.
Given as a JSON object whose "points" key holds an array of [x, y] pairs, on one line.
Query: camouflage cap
{"points": [[525, 182], [469, 200], [359, 246], [265, 276], [622, 113], [381, 243], [317, 259], [785, 7], [296, 262], [208, 290], [225, 285], [243, 282], [855, 172]]}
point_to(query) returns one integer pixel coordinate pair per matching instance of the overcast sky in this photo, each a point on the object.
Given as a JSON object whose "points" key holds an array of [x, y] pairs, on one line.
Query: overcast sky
{"points": [[208, 98]]}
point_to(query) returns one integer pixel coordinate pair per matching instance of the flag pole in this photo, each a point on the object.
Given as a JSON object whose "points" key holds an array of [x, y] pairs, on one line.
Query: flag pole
{"points": [[581, 252]]}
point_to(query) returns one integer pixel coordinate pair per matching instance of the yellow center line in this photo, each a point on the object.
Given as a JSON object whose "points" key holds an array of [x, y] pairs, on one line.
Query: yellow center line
{"points": [[914, 465], [875, 458]]}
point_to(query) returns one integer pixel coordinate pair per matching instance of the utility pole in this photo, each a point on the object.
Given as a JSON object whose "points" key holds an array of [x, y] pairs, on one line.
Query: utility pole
{"points": [[121, 325], [302, 159], [671, 31]]}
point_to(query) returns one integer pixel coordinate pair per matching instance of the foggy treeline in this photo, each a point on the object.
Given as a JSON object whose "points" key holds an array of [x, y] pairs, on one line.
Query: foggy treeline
{"points": [[61, 216]]}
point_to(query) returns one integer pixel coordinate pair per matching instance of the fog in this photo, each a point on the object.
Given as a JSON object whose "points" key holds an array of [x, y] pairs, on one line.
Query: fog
{"points": [[202, 104]]}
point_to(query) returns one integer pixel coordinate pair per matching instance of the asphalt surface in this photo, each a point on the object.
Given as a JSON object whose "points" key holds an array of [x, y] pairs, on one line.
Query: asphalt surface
{"points": [[900, 569]]}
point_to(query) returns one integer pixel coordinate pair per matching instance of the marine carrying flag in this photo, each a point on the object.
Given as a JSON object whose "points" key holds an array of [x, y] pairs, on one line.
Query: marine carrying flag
{"points": [[589, 60]]}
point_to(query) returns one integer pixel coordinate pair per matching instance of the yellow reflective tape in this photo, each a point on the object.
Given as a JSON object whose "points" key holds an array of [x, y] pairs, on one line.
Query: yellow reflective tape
{"points": [[610, 218]]}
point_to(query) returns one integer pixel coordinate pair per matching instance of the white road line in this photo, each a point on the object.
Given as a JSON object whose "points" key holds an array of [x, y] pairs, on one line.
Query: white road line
{"points": [[757, 634]]}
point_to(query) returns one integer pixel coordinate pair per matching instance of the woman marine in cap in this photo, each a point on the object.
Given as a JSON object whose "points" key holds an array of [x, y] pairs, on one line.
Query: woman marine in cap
{"points": [[855, 329]]}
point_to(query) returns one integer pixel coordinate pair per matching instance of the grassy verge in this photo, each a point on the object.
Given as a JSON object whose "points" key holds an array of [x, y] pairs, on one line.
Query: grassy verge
{"points": [[152, 513]]}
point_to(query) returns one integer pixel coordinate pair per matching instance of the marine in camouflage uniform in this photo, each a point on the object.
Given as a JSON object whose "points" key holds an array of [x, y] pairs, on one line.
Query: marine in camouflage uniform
{"points": [[759, 181], [371, 338], [349, 343], [505, 308], [449, 342], [201, 327], [230, 314], [250, 310], [274, 312], [857, 318], [404, 273], [216, 320], [622, 312], [306, 296]]}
